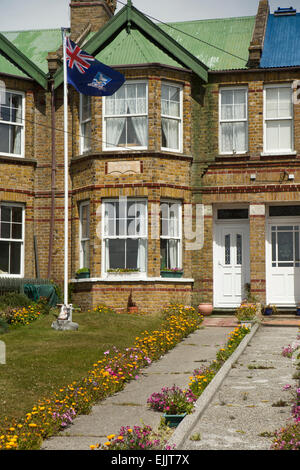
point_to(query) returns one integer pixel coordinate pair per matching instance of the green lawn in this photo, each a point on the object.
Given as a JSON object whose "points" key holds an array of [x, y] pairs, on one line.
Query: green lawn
{"points": [[39, 359]]}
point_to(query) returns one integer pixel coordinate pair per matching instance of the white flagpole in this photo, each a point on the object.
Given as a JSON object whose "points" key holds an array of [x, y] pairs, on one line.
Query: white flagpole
{"points": [[66, 172]]}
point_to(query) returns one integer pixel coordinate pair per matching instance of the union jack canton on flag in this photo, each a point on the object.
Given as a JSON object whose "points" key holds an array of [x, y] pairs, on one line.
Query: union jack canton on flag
{"points": [[89, 76]]}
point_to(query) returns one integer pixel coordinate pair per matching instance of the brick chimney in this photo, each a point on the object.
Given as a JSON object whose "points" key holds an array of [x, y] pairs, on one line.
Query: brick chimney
{"points": [[93, 12], [257, 42]]}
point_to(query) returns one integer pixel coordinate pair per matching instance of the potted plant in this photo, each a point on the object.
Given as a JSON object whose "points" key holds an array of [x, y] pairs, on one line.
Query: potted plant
{"points": [[174, 403], [270, 309], [82, 273], [131, 306], [205, 308], [171, 272], [246, 314], [298, 310], [123, 270]]}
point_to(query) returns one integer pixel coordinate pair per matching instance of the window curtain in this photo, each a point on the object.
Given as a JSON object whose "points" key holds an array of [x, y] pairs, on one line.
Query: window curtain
{"points": [[137, 106], [114, 129], [16, 130], [170, 130]]}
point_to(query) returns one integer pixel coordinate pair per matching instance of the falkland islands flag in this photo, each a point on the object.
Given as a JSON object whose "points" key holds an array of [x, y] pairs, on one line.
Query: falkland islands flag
{"points": [[88, 75]]}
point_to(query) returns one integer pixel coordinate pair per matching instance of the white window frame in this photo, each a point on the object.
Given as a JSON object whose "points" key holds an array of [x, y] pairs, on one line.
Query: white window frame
{"points": [[105, 237], [291, 119], [83, 138], [21, 125], [81, 238], [21, 241], [179, 118], [221, 121], [179, 237], [125, 147]]}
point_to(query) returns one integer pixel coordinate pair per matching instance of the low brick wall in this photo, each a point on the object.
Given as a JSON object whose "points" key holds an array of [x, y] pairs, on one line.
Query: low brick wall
{"points": [[150, 296]]}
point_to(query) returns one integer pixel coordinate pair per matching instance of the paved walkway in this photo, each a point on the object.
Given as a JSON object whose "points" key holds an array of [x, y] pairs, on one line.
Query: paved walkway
{"points": [[245, 393], [251, 403]]}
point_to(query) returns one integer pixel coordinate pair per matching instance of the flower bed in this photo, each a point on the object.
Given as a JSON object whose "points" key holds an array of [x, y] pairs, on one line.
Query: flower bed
{"points": [[288, 437], [135, 438], [108, 376], [174, 400]]}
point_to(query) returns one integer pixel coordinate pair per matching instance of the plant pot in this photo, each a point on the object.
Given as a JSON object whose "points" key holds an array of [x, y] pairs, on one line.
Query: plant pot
{"points": [[205, 309], [171, 273], [298, 312], [247, 323], [82, 275], [132, 310], [173, 420], [268, 311]]}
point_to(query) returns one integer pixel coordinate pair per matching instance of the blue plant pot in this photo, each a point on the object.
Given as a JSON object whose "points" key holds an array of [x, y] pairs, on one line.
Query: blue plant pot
{"points": [[268, 311], [82, 275], [298, 312], [173, 420]]}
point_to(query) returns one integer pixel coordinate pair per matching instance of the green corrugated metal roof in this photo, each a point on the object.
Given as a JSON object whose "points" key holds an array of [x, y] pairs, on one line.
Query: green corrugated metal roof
{"points": [[134, 48], [7, 67], [35, 45], [232, 35]]}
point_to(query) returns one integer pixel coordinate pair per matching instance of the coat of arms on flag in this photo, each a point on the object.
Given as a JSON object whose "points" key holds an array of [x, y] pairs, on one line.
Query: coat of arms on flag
{"points": [[88, 75], [100, 81]]}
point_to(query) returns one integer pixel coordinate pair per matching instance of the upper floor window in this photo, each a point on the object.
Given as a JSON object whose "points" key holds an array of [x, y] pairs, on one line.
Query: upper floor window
{"points": [[126, 117], [12, 123], [84, 234], [171, 117], [11, 239], [278, 118], [233, 112], [85, 123]]}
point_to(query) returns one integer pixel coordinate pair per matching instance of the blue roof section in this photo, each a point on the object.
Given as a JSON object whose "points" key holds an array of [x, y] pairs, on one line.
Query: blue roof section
{"points": [[282, 42]]}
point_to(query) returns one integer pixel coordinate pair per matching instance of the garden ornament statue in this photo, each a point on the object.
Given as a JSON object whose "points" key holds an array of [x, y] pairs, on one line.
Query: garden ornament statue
{"points": [[64, 319]]}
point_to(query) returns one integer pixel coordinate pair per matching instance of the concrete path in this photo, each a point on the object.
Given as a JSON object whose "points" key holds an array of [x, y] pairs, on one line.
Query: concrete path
{"points": [[129, 407], [239, 410], [246, 408]]}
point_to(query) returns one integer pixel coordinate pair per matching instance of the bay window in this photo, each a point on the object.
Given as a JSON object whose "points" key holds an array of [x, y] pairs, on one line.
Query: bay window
{"points": [[125, 234], [11, 123], [126, 117], [171, 117], [278, 118], [11, 239], [85, 123], [170, 235], [233, 112], [84, 234]]}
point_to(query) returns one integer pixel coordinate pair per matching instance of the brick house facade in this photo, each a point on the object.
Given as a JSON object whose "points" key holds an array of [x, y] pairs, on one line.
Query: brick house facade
{"points": [[192, 136]]}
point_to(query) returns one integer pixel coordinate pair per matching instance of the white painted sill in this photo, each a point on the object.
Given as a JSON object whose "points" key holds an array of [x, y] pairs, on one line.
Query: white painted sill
{"points": [[270, 154], [125, 278]]}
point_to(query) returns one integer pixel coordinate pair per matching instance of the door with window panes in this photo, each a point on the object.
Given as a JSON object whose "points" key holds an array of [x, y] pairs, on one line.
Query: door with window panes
{"points": [[283, 262], [231, 264]]}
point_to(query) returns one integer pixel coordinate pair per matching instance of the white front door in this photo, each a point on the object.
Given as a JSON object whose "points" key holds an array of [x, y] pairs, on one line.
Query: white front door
{"points": [[283, 262], [231, 264]]}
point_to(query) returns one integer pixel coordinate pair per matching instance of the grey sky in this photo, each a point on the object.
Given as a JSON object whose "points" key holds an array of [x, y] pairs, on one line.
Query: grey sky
{"points": [[40, 14]]}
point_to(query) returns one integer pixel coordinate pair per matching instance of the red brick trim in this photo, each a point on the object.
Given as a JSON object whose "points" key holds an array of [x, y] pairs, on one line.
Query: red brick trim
{"points": [[19, 191], [249, 189]]}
